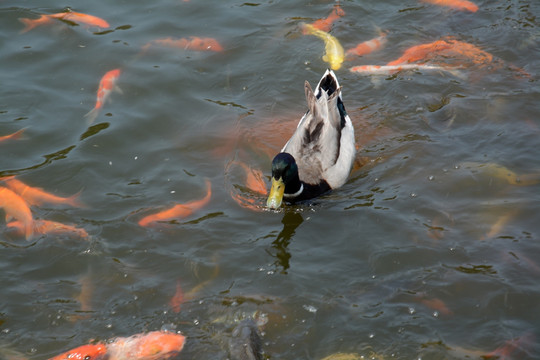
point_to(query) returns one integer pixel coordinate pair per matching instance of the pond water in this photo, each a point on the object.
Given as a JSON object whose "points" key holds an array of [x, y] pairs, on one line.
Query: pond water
{"points": [[431, 249]]}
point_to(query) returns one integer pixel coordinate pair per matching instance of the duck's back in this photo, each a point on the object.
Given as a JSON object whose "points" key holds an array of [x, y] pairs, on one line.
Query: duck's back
{"points": [[316, 143]]}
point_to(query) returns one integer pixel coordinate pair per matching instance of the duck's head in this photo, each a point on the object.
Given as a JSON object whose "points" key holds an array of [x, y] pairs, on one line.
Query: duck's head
{"points": [[285, 179]]}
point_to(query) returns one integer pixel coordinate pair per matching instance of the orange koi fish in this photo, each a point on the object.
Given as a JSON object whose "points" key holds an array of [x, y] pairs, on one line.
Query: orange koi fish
{"points": [[84, 352], [192, 43], [151, 346], [15, 135], [251, 202], [450, 49], [254, 179], [16, 207], [106, 86], [36, 196], [420, 52], [256, 184], [326, 24], [462, 5], [511, 347], [51, 227], [180, 210], [75, 17], [178, 299], [368, 46]]}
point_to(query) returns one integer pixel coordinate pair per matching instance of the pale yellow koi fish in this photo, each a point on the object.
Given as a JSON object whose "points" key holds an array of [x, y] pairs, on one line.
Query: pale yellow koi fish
{"points": [[334, 51]]}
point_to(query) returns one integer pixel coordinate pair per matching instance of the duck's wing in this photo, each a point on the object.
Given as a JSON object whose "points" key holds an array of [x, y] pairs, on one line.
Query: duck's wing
{"points": [[323, 143]]}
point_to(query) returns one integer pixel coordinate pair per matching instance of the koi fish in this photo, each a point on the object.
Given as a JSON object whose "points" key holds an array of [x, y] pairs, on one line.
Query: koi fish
{"points": [[193, 293], [50, 227], [462, 5], [503, 173], [178, 299], [78, 18], [36, 196], [367, 47], [151, 346], [15, 135], [254, 179], [391, 69], [508, 350], [451, 49], [435, 304], [84, 298], [16, 207], [326, 24], [107, 85], [180, 210], [421, 52], [334, 51], [193, 43], [84, 352]]}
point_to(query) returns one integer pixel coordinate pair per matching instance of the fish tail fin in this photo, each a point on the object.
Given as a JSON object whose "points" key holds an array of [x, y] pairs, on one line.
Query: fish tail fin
{"points": [[18, 134], [91, 116], [339, 11], [75, 201], [29, 230], [29, 24], [4, 178]]}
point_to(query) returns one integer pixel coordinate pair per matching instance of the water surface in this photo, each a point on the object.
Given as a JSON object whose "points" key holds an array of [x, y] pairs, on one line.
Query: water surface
{"points": [[422, 254]]}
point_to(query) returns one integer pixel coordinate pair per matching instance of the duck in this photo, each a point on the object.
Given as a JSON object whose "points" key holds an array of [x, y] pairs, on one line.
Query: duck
{"points": [[320, 154]]}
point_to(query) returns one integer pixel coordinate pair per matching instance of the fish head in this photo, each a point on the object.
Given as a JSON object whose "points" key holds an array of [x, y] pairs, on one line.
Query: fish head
{"points": [[84, 352]]}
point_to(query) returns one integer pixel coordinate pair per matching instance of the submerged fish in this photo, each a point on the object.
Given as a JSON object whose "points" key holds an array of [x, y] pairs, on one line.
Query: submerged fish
{"points": [[503, 173], [15, 207], [391, 69], [180, 210], [150, 346], [178, 298], [36, 196], [254, 179], [246, 343], [367, 47], [51, 227], [76, 17], [107, 85], [84, 352], [462, 5], [256, 186], [335, 55], [449, 50], [192, 43], [326, 23], [15, 135], [345, 356]]}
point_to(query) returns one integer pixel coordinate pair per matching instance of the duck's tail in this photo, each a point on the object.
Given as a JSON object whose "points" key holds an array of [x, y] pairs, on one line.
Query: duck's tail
{"points": [[329, 83]]}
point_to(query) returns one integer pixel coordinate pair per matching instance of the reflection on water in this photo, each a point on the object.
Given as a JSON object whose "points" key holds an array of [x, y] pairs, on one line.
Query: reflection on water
{"points": [[280, 252]]}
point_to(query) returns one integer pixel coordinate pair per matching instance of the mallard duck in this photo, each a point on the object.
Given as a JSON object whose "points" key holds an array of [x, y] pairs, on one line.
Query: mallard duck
{"points": [[320, 154]]}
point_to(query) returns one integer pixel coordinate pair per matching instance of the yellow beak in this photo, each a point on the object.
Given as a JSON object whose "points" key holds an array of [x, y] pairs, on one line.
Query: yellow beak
{"points": [[276, 194]]}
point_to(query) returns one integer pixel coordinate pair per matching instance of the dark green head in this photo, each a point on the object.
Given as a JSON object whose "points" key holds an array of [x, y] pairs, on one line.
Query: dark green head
{"points": [[285, 179]]}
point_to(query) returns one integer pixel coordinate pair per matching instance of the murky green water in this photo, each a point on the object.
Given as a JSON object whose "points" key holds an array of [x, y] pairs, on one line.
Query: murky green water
{"points": [[427, 251]]}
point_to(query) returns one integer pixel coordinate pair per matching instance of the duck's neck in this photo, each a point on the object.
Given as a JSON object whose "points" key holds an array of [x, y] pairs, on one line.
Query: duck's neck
{"points": [[294, 188]]}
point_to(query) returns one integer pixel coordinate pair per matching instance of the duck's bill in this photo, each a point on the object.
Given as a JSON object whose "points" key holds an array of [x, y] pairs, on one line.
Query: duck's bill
{"points": [[276, 194]]}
